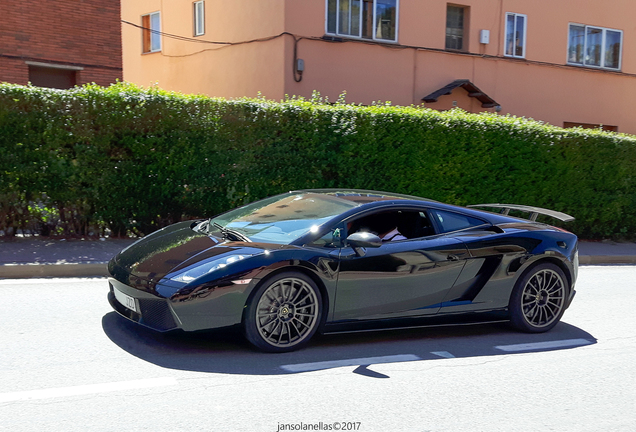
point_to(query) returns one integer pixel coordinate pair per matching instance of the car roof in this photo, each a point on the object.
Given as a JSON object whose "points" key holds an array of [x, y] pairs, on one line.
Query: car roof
{"points": [[363, 196], [374, 199]]}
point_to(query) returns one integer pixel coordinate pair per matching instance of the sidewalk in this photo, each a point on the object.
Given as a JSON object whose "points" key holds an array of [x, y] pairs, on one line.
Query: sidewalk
{"points": [[35, 258]]}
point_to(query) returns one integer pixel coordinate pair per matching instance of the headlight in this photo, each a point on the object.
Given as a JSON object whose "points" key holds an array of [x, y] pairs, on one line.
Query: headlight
{"points": [[203, 269]]}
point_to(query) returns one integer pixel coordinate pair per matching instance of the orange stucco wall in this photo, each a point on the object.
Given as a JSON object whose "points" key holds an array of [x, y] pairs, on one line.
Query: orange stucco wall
{"points": [[198, 67], [540, 86]]}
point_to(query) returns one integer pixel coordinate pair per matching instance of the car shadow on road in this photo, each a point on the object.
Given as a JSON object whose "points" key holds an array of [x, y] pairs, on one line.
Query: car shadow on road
{"points": [[228, 352]]}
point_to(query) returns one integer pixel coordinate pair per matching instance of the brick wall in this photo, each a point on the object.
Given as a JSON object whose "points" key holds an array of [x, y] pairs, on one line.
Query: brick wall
{"points": [[83, 33]]}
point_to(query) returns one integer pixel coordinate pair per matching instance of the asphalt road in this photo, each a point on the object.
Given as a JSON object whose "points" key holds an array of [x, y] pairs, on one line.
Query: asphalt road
{"points": [[67, 363]]}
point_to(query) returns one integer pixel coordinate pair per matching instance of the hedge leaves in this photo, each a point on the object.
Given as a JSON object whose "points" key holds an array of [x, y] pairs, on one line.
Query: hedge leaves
{"points": [[124, 159]]}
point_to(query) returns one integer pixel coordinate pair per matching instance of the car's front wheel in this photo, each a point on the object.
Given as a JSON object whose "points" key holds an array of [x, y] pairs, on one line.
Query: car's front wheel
{"points": [[284, 313], [538, 299]]}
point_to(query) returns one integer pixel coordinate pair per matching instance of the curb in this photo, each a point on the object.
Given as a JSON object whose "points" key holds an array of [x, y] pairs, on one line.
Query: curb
{"points": [[53, 270], [100, 269], [607, 259]]}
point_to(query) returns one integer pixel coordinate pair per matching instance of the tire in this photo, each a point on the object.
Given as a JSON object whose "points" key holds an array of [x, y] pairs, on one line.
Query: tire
{"points": [[284, 313], [538, 299]]}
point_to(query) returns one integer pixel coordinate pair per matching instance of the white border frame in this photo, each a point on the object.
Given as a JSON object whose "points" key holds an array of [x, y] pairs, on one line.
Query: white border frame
{"points": [[151, 34], [197, 31], [525, 32], [604, 30], [373, 38]]}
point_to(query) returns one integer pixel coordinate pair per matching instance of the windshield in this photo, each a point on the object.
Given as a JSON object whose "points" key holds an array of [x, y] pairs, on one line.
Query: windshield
{"points": [[284, 218]]}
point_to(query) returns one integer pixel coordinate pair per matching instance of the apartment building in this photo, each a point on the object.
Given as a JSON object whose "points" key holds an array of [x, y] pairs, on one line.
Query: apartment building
{"points": [[60, 43], [568, 63]]}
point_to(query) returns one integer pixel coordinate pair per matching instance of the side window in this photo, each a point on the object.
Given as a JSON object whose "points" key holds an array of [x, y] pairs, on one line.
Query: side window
{"points": [[450, 221], [332, 239], [394, 225], [383, 224]]}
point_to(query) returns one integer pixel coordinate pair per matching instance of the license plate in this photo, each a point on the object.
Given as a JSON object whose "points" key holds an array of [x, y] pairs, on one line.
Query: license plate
{"points": [[125, 300]]}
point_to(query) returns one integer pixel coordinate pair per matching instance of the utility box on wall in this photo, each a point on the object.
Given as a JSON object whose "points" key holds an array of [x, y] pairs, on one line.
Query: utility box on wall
{"points": [[484, 37]]}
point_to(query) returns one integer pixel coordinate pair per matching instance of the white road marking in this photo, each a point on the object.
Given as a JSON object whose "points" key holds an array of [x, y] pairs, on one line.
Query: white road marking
{"points": [[306, 367], [86, 389], [444, 354], [544, 345]]}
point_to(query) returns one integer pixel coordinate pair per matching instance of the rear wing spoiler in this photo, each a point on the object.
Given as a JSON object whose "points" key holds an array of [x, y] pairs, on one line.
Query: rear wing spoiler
{"points": [[534, 211]]}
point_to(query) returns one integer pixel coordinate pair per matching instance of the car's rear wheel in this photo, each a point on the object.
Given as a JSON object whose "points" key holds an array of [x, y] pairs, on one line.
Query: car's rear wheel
{"points": [[538, 299], [284, 313]]}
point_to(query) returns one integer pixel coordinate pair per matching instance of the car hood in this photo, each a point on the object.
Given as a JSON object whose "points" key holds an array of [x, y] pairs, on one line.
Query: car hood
{"points": [[171, 249]]}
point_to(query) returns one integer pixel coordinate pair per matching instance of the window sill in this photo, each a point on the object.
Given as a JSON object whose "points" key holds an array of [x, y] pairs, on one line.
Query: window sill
{"points": [[460, 51], [343, 38], [600, 68]]}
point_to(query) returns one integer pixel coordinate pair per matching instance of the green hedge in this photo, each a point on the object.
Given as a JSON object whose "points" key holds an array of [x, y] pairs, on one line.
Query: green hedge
{"points": [[131, 160]]}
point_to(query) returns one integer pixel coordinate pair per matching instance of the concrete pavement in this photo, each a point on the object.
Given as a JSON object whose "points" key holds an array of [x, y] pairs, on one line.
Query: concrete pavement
{"points": [[33, 257]]}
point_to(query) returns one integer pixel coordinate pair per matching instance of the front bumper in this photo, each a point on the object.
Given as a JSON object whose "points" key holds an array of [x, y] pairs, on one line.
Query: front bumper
{"points": [[153, 312]]}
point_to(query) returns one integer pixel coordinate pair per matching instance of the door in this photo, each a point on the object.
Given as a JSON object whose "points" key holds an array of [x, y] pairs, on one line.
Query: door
{"points": [[403, 278]]}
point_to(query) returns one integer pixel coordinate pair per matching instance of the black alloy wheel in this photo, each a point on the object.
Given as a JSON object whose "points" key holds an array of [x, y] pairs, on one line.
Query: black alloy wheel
{"points": [[538, 299], [284, 313]]}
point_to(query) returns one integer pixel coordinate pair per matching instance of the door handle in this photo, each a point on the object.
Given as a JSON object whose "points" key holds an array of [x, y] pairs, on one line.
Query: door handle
{"points": [[452, 257]]}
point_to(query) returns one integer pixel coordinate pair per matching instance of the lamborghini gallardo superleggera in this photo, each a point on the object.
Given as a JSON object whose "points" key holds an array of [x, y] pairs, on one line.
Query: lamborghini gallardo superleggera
{"points": [[307, 261]]}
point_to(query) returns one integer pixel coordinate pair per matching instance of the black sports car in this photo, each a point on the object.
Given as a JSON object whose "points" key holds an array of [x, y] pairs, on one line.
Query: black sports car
{"points": [[309, 261]]}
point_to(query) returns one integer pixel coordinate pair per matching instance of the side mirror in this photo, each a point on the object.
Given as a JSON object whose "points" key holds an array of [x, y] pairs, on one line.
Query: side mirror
{"points": [[364, 240]]}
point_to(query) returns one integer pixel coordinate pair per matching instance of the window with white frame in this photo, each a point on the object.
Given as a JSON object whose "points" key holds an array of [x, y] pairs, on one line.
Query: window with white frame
{"points": [[366, 19], [515, 35], [594, 46], [199, 18], [151, 37]]}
